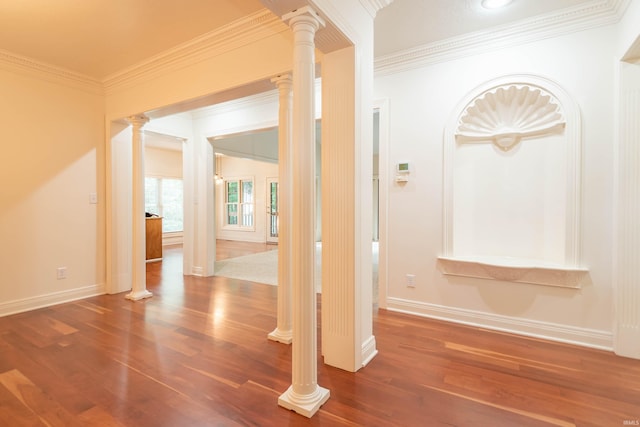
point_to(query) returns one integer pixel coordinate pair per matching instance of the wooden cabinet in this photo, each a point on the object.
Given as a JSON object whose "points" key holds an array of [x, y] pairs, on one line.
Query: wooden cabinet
{"points": [[154, 238]]}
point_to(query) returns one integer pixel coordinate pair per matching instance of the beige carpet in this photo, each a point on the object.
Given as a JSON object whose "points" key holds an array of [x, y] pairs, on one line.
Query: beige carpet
{"points": [[263, 268]]}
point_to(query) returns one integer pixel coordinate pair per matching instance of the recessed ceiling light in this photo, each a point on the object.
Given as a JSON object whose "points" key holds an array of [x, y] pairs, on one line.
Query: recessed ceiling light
{"points": [[494, 4]]}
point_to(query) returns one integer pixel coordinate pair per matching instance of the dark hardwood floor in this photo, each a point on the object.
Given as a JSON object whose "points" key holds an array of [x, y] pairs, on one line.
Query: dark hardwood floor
{"points": [[197, 354]]}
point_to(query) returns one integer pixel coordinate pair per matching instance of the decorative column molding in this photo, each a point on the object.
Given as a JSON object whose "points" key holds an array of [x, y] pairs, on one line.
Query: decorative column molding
{"points": [[283, 332], [304, 396], [347, 334], [138, 263], [627, 228]]}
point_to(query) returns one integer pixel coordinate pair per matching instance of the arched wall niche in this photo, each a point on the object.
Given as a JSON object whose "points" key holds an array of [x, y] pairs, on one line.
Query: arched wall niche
{"points": [[512, 165]]}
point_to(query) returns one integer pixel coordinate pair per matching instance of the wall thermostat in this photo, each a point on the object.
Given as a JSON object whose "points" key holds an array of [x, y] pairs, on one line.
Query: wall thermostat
{"points": [[402, 168], [402, 172]]}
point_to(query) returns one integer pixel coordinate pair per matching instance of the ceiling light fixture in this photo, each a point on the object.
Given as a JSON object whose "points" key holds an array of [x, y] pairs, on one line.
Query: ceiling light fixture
{"points": [[494, 4]]}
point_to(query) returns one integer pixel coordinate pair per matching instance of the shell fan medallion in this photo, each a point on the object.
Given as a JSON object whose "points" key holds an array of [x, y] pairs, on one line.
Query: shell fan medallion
{"points": [[509, 113]]}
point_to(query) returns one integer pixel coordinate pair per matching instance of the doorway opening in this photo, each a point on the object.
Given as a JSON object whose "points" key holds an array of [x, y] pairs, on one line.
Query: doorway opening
{"points": [[272, 210]]}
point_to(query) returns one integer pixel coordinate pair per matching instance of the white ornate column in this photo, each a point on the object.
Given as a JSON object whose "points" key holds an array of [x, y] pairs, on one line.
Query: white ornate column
{"points": [[138, 257], [304, 396], [283, 332]]}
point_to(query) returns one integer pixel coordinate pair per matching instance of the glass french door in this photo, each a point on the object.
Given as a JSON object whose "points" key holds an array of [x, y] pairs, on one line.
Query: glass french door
{"points": [[272, 210]]}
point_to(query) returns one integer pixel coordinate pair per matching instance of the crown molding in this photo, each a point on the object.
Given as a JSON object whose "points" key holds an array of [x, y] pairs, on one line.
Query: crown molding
{"points": [[588, 15], [13, 62], [373, 6], [249, 29]]}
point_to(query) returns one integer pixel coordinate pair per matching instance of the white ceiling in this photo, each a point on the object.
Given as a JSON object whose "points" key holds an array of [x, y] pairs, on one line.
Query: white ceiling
{"points": [[98, 38], [409, 23]]}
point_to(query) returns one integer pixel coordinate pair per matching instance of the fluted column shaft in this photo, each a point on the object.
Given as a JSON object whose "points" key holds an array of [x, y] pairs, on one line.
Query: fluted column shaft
{"points": [[304, 396], [627, 237], [283, 332], [138, 261]]}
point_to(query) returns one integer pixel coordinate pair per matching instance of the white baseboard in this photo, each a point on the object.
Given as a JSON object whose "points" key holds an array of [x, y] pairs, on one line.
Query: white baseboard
{"points": [[602, 340], [41, 301], [172, 240], [248, 239], [369, 350]]}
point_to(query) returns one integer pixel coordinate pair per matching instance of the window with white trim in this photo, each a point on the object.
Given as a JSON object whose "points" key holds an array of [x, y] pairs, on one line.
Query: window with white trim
{"points": [[163, 197], [239, 204]]}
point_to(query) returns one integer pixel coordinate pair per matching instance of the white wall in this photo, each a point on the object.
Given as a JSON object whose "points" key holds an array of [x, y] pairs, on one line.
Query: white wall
{"points": [[421, 101], [164, 163], [52, 160], [234, 167]]}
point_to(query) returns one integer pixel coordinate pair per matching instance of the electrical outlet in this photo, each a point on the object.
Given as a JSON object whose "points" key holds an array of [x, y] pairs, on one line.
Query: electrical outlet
{"points": [[61, 273], [93, 198], [411, 280]]}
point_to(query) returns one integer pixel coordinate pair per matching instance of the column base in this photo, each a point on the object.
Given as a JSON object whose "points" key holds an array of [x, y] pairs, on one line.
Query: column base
{"points": [[135, 296], [304, 404], [285, 337]]}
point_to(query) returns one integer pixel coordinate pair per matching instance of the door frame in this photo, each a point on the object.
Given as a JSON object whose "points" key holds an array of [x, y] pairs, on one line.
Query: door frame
{"points": [[269, 238]]}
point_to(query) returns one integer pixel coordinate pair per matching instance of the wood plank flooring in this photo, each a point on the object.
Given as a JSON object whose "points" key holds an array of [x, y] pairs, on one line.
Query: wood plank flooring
{"points": [[197, 354]]}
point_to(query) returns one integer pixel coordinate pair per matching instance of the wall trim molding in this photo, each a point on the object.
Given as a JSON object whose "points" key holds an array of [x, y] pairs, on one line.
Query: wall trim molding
{"points": [[570, 20], [24, 65], [602, 340], [247, 30], [263, 23], [47, 300], [374, 6], [369, 350], [169, 239]]}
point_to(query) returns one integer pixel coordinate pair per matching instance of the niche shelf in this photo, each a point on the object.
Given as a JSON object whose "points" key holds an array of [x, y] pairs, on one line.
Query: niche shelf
{"points": [[513, 213], [517, 270]]}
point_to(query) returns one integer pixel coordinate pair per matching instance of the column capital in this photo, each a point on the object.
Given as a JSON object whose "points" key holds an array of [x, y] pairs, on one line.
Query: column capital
{"points": [[137, 120], [282, 80], [303, 14]]}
